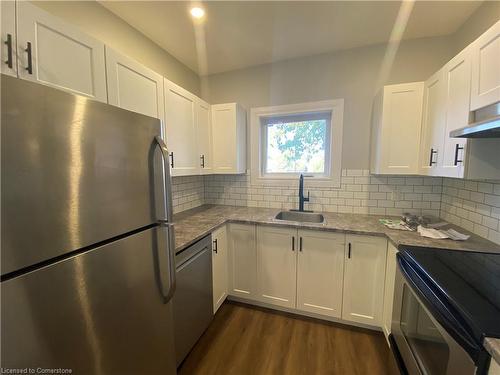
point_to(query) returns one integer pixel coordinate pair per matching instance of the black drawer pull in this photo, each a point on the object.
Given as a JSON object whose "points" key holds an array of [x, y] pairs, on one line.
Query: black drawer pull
{"points": [[172, 159], [431, 161], [8, 43], [457, 149], [29, 68]]}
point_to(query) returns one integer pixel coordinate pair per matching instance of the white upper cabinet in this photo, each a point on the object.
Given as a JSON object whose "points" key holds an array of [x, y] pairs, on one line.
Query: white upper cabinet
{"points": [[54, 53], [132, 86], [433, 126], [9, 45], [228, 139], [204, 132], [180, 124], [320, 272], [457, 78], [276, 265], [397, 120], [219, 266], [485, 86], [242, 261], [364, 276]]}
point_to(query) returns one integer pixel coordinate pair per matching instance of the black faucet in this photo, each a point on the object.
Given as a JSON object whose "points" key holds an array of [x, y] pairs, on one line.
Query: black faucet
{"points": [[302, 198]]}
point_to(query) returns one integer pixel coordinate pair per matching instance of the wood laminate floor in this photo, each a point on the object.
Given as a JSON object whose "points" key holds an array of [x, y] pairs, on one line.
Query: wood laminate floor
{"points": [[249, 340]]}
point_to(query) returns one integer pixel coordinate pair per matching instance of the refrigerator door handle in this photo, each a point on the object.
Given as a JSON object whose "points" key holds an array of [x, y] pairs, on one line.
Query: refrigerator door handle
{"points": [[171, 261], [167, 221], [167, 180]]}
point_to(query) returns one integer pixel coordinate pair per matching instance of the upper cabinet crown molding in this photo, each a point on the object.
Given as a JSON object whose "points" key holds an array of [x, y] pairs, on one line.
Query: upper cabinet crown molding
{"points": [[485, 85], [132, 86], [229, 138], [396, 125], [9, 38], [54, 53]]}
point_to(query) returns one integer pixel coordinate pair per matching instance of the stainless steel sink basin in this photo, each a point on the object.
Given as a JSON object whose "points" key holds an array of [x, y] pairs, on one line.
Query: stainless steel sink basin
{"points": [[303, 217]]}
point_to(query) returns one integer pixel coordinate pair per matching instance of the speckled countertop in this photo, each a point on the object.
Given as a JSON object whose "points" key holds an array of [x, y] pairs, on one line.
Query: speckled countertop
{"points": [[194, 224], [492, 345]]}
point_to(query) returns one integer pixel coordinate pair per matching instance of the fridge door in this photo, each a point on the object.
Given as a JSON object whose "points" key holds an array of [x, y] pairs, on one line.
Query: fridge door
{"points": [[100, 312], [74, 172]]}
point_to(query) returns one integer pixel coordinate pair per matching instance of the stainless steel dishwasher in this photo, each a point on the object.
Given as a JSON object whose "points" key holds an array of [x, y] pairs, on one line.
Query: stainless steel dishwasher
{"points": [[193, 305]]}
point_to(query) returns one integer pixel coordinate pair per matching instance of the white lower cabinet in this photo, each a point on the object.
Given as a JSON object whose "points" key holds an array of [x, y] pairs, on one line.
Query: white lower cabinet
{"points": [[276, 265], [364, 277], [242, 261], [311, 271], [320, 272], [390, 276], [219, 266]]}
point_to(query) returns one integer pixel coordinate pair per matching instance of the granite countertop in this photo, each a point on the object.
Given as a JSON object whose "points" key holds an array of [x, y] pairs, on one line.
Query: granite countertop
{"points": [[194, 224], [492, 345]]}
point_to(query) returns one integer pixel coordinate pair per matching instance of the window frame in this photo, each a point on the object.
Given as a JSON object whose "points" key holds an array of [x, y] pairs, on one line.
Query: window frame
{"points": [[333, 147]]}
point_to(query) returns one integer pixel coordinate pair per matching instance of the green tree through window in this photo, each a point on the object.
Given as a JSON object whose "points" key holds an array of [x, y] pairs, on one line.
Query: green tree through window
{"points": [[298, 146]]}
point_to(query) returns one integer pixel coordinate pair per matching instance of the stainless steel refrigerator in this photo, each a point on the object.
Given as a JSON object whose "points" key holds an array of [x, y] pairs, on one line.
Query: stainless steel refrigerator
{"points": [[87, 242]]}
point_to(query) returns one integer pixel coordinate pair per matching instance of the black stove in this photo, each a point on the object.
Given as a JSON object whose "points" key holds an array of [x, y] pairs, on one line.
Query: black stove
{"points": [[469, 281]]}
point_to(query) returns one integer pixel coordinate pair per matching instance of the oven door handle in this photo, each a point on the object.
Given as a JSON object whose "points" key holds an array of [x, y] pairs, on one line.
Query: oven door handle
{"points": [[440, 308]]}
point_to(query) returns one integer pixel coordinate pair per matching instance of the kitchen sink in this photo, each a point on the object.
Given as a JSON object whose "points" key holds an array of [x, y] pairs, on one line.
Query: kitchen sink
{"points": [[303, 217]]}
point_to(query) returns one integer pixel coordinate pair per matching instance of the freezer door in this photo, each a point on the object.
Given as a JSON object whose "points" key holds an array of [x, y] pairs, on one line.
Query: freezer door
{"points": [[74, 172], [101, 312]]}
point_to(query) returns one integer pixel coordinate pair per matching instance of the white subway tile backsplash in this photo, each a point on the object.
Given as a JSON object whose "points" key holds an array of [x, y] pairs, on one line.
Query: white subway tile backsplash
{"points": [[473, 205]]}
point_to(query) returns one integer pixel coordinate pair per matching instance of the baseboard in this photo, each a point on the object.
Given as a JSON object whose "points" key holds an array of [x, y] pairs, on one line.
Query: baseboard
{"points": [[303, 313]]}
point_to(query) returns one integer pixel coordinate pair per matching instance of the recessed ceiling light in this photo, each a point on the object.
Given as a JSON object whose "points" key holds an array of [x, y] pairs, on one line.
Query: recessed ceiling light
{"points": [[197, 12]]}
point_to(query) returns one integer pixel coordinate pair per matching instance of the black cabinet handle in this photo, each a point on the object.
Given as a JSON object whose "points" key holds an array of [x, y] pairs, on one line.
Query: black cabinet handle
{"points": [[29, 68], [300, 243], [215, 246], [202, 159], [431, 161], [8, 43], [172, 159], [293, 243], [349, 250], [457, 148]]}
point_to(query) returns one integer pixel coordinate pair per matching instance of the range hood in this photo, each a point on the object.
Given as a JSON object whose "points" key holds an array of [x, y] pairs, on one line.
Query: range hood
{"points": [[486, 124]]}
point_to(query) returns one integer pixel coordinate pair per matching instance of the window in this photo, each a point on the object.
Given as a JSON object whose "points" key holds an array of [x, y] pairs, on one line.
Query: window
{"points": [[296, 143], [293, 139]]}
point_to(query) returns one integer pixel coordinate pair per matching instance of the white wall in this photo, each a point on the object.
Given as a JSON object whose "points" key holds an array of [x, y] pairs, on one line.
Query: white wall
{"points": [[482, 19], [351, 75], [97, 21]]}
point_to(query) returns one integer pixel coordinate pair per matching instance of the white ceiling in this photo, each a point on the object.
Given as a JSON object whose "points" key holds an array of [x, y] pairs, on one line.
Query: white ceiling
{"points": [[238, 34]]}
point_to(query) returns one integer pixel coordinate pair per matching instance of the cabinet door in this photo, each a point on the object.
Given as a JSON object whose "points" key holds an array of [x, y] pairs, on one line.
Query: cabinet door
{"points": [[132, 86], [219, 266], [224, 137], [61, 55], [320, 272], [457, 96], [9, 45], [364, 276], [242, 261], [390, 276], [204, 132], [276, 265], [485, 83], [433, 124], [180, 123], [401, 126]]}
